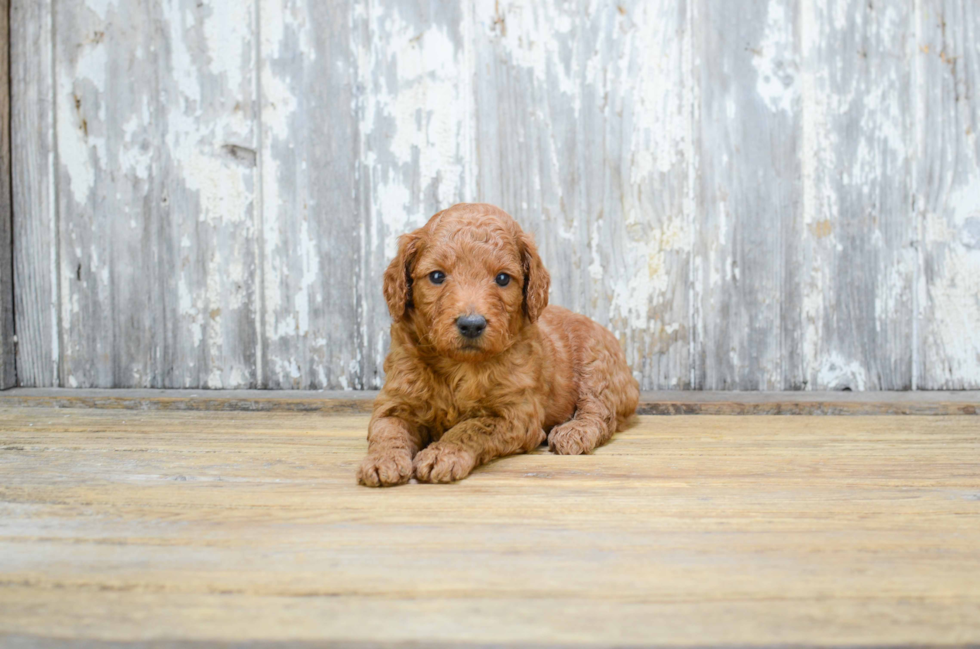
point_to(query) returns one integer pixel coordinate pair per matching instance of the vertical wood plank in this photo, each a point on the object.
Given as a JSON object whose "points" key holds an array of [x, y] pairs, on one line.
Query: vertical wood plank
{"points": [[34, 216], [8, 371], [947, 196], [748, 226], [415, 111], [156, 150], [211, 107], [312, 220], [584, 135], [858, 234]]}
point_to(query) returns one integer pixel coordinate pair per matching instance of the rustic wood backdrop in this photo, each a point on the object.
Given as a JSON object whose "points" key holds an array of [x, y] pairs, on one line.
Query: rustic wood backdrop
{"points": [[778, 194]]}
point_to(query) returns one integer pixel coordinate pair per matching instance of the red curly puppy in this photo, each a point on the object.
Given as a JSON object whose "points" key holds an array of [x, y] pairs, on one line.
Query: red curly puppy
{"points": [[480, 366]]}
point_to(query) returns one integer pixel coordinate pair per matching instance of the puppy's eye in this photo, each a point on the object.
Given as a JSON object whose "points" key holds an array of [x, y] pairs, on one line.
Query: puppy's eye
{"points": [[503, 279], [437, 277]]}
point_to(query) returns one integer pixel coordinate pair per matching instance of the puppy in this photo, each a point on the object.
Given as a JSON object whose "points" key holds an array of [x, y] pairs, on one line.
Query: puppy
{"points": [[480, 366]]}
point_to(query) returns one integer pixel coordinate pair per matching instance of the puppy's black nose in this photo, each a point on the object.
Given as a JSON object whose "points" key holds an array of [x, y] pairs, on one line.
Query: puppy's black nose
{"points": [[471, 326]]}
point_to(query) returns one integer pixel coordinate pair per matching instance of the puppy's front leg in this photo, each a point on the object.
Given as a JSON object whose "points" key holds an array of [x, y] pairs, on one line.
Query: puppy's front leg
{"points": [[392, 443], [473, 442]]}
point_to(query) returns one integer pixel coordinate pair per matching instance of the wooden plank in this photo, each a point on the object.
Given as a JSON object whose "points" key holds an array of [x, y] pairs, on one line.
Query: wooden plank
{"points": [[584, 135], [948, 194], [312, 217], [237, 527], [664, 402], [857, 151], [749, 218], [8, 351], [33, 188], [156, 151], [728, 187], [415, 111]]}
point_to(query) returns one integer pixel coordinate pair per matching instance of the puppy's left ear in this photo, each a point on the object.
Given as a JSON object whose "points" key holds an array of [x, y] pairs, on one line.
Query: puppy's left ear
{"points": [[537, 281], [398, 277]]}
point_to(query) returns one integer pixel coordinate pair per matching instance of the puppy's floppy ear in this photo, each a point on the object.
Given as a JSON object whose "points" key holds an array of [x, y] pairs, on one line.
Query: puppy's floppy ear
{"points": [[398, 277], [537, 281]]}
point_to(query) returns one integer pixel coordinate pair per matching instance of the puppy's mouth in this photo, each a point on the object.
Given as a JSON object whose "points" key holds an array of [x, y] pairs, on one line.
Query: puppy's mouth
{"points": [[471, 349]]}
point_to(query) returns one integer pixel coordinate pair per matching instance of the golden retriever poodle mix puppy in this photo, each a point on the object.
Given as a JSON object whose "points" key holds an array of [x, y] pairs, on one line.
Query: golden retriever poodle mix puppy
{"points": [[480, 366]]}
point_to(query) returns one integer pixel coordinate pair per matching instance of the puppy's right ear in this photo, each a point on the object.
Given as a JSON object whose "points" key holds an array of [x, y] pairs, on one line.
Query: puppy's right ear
{"points": [[398, 277], [537, 281]]}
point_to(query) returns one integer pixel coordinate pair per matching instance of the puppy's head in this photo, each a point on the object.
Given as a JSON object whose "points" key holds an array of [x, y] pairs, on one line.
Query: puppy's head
{"points": [[467, 282]]}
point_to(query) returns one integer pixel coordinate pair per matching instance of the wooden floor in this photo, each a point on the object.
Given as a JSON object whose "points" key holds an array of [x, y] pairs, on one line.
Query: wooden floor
{"points": [[688, 530]]}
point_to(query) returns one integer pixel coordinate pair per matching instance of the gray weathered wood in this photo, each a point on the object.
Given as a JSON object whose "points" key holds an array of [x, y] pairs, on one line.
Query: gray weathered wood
{"points": [[8, 368], [34, 216], [775, 194], [416, 115], [311, 215], [749, 214], [947, 206], [858, 252], [584, 135], [156, 180]]}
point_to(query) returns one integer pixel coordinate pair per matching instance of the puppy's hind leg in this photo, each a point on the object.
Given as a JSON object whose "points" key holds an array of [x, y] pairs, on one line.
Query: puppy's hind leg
{"points": [[592, 426], [608, 395]]}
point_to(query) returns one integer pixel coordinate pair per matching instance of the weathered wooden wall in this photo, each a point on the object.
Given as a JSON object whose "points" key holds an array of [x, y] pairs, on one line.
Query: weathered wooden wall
{"points": [[8, 370], [769, 194]]}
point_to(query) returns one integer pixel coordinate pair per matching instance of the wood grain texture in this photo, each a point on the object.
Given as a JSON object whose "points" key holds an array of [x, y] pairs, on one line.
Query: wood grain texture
{"points": [[416, 114], [857, 156], [8, 361], [776, 194], [236, 527], [36, 303], [663, 402], [312, 223], [748, 225], [155, 122], [584, 135], [948, 194]]}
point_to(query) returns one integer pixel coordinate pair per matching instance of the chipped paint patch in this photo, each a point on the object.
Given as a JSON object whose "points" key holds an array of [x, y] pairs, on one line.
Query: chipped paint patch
{"points": [[660, 123], [393, 205], [414, 117], [530, 34], [776, 61], [81, 150], [643, 284], [838, 373], [822, 228]]}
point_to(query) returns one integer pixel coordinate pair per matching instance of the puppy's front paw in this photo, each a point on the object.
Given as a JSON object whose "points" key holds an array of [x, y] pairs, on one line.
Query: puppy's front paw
{"points": [[440, 463], [385, 470], [574, 438]]}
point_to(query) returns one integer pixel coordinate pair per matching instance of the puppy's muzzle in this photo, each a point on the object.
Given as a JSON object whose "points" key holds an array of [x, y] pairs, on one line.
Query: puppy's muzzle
{"points": [[471, 326]]}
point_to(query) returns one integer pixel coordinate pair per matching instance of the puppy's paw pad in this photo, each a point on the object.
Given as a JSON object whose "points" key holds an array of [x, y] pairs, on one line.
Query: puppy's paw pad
{"points": [[573, 438], [385, 470], [443, 464]]}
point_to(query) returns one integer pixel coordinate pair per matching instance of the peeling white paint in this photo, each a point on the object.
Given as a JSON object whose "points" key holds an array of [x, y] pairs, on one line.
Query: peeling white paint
{"points": [[393, 200], [653, 79], [309, 255], [643, 284], [228, 34], [416, 104], [776, 62], [80, 149], [595, 267], [837, 373], [530, 34], [609, 119]]}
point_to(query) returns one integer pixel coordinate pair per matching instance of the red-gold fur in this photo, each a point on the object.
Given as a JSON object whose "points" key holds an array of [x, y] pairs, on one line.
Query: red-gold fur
{"points": [[450, 404]]}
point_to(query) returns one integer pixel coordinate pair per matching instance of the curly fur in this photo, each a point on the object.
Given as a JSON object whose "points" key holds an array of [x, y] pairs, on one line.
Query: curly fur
{"points": [[538, 372]]}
